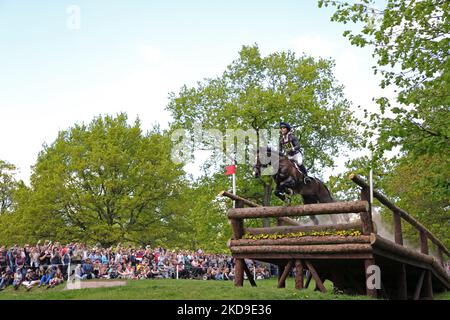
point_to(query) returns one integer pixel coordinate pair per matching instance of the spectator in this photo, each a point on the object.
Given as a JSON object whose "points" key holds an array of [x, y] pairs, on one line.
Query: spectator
{"points": [[79, 273], [17, 278], [34, 258], [45, 279], [2, 258], [7, 278], [55, 259], [43, 263], [31, 279], [88, 269], [57, 279], [44, 258]]}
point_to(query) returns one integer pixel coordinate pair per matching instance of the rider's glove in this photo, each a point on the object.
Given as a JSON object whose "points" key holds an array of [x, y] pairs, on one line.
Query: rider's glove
{"points": [[291, 152]]}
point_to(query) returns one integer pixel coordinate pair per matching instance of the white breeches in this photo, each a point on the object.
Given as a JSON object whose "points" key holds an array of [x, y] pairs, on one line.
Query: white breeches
{"points": [[297, 157]]}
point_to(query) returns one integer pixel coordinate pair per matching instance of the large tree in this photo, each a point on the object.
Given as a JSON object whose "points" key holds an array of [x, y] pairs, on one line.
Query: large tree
{"points": [[256, 92], [8, 185], [104, 182], [411, 42]]}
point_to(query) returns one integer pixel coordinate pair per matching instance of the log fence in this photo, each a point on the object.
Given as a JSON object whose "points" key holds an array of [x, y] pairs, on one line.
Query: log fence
{"points": [[315, 254]]}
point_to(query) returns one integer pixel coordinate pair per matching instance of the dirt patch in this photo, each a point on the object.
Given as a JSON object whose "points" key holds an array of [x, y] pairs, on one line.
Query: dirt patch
{"points": [[94, 284]]}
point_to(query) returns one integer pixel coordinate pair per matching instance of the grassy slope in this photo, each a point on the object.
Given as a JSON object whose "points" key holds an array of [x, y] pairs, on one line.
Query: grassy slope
{"points": [[184, 290]]}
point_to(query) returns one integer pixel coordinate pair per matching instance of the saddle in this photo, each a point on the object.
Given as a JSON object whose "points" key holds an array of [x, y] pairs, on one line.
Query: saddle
{"points": [[306, 178]]}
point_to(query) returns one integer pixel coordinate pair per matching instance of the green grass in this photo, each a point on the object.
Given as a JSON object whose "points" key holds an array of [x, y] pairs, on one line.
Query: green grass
{"points": [[184, 290], [179, 290], [442, 296]]}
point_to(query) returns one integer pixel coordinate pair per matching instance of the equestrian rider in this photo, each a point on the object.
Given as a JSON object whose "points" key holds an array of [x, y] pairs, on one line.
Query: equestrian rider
{"points": [[290, 146]]}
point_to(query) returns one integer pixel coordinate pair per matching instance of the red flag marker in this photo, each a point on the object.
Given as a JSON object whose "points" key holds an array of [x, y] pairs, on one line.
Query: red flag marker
{"points": [[230, 170]]}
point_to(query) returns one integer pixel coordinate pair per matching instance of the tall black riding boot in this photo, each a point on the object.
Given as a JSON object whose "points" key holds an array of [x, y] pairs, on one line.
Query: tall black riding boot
{"points": [[305, 172]]}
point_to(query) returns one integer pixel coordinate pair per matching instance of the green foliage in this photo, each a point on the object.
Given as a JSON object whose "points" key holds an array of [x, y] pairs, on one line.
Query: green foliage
{"points": [[7, 186], [410, 40], [255, 92], [203, 224], [421, 187], [105, 182], [346, 190]]}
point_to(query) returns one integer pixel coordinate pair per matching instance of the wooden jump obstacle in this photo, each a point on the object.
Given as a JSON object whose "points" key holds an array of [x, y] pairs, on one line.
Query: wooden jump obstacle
{"points": [[344, 260]]}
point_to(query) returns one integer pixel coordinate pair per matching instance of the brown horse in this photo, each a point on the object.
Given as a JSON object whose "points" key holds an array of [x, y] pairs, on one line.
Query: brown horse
{"points": [[290, 181]]}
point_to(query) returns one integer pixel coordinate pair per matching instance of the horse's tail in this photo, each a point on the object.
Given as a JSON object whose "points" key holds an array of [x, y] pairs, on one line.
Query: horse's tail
{"points": [[327, 190]]}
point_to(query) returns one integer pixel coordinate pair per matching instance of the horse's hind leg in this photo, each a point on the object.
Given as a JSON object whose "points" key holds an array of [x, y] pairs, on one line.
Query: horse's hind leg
{"points": [[334, 219], [314, 220], [310, 200]]}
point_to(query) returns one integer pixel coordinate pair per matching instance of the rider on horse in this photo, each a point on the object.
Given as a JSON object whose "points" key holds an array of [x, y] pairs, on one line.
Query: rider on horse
{"points": [[290, 147]]}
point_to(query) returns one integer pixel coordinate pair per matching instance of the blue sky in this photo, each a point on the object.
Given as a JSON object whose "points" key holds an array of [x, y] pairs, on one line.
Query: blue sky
{"points": [[128, 55]]}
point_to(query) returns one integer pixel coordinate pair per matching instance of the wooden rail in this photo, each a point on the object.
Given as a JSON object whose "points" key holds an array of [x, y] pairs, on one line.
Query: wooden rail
{"points": [[295, 251], [317, 254], [304, 210], [398, 214], [397, 252], [245, 202]]}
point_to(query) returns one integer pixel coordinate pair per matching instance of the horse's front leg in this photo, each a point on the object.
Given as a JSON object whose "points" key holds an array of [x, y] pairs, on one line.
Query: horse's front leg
{"points": [[287, 187], [279, 192]]}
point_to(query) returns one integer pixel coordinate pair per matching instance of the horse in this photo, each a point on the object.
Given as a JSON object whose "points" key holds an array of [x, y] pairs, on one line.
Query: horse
{"points": [[290, 180]]}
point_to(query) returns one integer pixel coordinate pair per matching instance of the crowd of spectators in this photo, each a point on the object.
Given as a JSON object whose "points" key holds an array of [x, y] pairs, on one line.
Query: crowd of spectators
{"points": [[48, 264]]}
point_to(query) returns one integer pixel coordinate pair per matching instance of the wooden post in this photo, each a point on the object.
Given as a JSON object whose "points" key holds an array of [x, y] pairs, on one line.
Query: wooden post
{"points": [[402, 283], [239, 272], [423, 242], [267, 196], [282, 279], [441, 257], [419, 286], [428, 282], [237, 225], [370, 292], [237, 228], [280, 267], [308, 279], [398, 228], [365, 216], [298, 274], [316, 277], [385, 201], [249, 275]]}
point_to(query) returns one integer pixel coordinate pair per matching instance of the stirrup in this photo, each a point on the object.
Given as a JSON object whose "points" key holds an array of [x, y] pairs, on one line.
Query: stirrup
{"points": [[307, 179]]}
